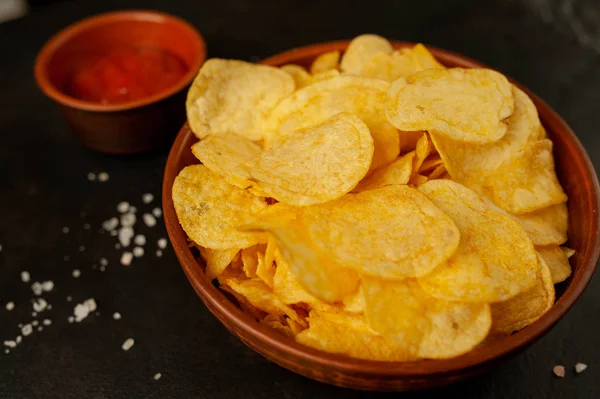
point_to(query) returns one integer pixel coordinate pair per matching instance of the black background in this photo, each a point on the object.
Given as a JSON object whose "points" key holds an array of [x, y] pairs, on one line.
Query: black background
{"points": [[44, 187]]}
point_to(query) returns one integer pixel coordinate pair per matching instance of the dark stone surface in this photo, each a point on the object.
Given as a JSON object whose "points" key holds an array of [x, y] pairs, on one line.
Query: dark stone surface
{"points": [[44, 187]]}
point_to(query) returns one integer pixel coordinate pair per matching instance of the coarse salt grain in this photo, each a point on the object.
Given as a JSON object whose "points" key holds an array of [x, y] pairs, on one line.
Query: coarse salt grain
{"points": [[47, 322], [91, 176], [65, 229], [149, 220], [128, 219], [26, 330], [71, 319], [10, 306], [157, 212], [76, 273], [82, 310], [49, 307], [18, 339], [128, 344], [157, 376], [81, 248], [103, 261], [126, 258], [102, 268], [123, 206], [125, 236], [110, 224], [34, 323], [132, 209], [37, 288], [117, 316], [33, 314], [559, 371], [48, 285], [40, 305], [69, 299], [103, 176], [40, 328], [140, 239], [147, 198], [162, 243], [158, 253], [10, 343], [114, 233], [25, 277], [580, 368], [138, 252], [117, 246]]}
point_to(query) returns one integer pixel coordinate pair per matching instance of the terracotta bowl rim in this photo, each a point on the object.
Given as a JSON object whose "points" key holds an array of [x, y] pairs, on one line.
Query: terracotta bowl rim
{"points": [[271, 341], [71, 31]]}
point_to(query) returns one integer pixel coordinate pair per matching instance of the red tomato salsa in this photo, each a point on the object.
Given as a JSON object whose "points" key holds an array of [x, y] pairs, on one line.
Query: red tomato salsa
{"points": [[127, 74]]}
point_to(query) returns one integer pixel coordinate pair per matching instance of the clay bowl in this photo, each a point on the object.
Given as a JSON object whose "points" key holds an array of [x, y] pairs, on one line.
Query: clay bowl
{"points": [[133, 126], [577, 175]]}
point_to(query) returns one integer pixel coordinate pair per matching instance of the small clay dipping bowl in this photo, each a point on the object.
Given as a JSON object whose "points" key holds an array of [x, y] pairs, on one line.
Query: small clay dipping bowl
{"points": [[578, 178], [126, 127]]}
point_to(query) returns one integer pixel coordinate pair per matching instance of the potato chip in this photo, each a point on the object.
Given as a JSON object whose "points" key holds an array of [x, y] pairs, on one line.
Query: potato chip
{"points": [[557, 261], [437, 172], [418, 180], [299, 74], [316, 164], [321, 100], [421, 324], [522, 310], [495, 259], [278, 323], [217, 260], [468, 105], [424, 58], [546, 226], [230, 96], [325, 62], [408, 140], [325, 75], [287, 286], [249, 258], [429, 164], [210, 209], [398, 172], [265, 269], [365, 233], [568, 252], [349, 335], [361, 50]]}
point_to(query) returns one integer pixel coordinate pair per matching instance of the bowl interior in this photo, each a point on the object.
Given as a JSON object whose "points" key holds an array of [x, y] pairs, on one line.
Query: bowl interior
{"points": [[87, 40], [574, 170]]}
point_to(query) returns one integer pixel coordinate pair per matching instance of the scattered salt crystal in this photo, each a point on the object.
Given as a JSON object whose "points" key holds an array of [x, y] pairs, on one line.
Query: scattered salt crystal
{"points": [[25, 277], [37, 288], [103, 176], [65, 229], [157, 376], [26, 330], [33, 314], [20, 325], [114, 233], [86, 226], [81, 248], [82, 310], [162, 243], [126, 258], [117, 246], [66, 258], [138, 252], [123, 206], [158, 253], [97, 313], [140, 239], [117, 316], [157, 212], [147, 198], [10, 306], [47, 322], [128, 344], [559, 371], [0, 247], [48, 285], [69, 299], [91, 176], [110, 224], [132, 209], [49, 307], [71, 319], [76, 273], [10, 343], [18, 339], [128, 219], [580, 368], [7, 351], [103, 261], [102, 268], [40, 305], [149, 220], [34, 323], [125, 236], [40, 328]]}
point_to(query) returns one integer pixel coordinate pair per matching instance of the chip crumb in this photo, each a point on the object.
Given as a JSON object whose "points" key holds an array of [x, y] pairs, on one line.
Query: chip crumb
{"points": [[128, 344], [128, 219], [25, 276], [149, 220], [162, 243], [81, 248], [37, 288], [34, 323], [110, 224], [559, 371], [125, 236], [580, 368], [157, 212], [65, 230], [140, 239], [138, 252], [157, 376], [91, 176], [48, 285], [26, 330], [103, 176], [40, 305], [123, 206], [47, 322], [76, 273], [10, 306], [158, 253], [147, 198], [117, 316], [126, 258], [10, 343]]}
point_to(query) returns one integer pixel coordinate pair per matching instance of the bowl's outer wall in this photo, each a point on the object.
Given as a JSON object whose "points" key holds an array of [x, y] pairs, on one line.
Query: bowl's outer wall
{"points": [[575, 172]]}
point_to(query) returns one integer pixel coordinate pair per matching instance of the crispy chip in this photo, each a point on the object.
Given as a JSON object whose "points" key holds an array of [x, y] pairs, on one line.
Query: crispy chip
{"points": [[361, 50], [429, 164], [325, 75], [468, 105], [299, 74], [217, 260], [423, 325], [398, 172], [287, 286], [250, 259], [321, 100], [364, 233], [437, 173], [408, 140], [557, 260], [314, 165], [210, 209], [525, 308], [230, 96], [546, 226], [495, 259], [265, 269], [278, 323], [424, 58], [418, 180], [325, 62]]}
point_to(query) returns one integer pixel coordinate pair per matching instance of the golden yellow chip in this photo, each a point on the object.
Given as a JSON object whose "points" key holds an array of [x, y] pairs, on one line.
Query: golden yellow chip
{"points": [[278, 323], [421, 324], [468, 105], [250, 259], [495, 259], [265, 269], [325, 62], [437, 173], [217, 260], [210, 209], [325, 75], [316, 164], [525, 308], [287, 286], [408, 140], [321, 100], [230, 96], [299, 74], [429, 164], [362, 49], [398, 172], [390, 232], [424, 58], [546, 226], [557, 260]]}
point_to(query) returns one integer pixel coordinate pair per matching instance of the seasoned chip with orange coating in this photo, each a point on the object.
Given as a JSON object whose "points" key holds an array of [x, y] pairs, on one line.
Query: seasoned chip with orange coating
{"points": [[231, 96], [398, 172], [210, 209], [522, 310], [469, 105], [495, 259], [428, 327], [321, 100], [557, 260], [325, 62], [217, 260]]}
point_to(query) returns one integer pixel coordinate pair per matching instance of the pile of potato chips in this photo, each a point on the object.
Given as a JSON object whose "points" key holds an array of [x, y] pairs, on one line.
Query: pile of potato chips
{"points": [[377, 205]]}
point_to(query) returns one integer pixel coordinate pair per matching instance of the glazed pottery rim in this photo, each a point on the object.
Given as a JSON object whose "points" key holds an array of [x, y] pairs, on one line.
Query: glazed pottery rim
{"points": [[271, 341], [71, 31]]}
